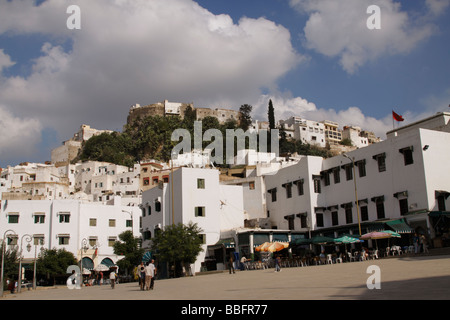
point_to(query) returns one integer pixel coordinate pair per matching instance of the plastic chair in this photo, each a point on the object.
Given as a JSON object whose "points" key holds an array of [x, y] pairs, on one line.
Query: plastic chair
{"points": [[329, 259], [375, 254], [350, 257]]}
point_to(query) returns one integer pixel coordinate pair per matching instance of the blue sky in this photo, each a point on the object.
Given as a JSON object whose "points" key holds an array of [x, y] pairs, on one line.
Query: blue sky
{"points": [[314, 59]]}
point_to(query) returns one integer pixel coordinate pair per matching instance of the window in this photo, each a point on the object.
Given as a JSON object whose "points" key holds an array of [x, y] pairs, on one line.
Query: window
{"points": [[349, 172], [273, 193], [303, 221], [337, 175], [334, 218], [12, 240], [407, 155], [199, 211], [288, 187], [361, 168], [251, 185], [403, 206], [326, 177], [441, 203], [299, 184], [146, 181], [92, 241], [63, 240], [13, 218], [64, 218], [157, 207], [202, 238], [39, 218], [200, 183], [129, 223], [348, 214], [290, 220], [379, 202], [364, 213], [381, 161], [319, 219], [111, 241], [38, 240], [92, 222], [316, 181], [112, 222]]}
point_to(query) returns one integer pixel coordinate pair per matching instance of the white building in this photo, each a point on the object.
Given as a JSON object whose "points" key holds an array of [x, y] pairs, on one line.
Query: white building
{"points": [[69, 225], [402, 180], [353, 133], [306, 131], [197, 197]]}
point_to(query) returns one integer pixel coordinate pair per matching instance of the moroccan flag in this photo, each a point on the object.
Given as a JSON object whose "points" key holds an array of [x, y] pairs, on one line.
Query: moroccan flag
{"points": [[397, 117]]}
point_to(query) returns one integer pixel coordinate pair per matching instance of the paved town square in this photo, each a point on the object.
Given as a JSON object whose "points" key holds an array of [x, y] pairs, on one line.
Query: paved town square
{"points": [[401, 278]]}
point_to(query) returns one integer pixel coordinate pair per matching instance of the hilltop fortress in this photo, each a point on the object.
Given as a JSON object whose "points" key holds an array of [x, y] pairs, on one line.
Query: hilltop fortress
{"points": [[167, 108]]}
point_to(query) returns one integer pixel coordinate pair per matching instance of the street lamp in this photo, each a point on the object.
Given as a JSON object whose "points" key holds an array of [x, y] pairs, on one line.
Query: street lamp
{"points": [[131, 215], [3, 259], [28, 239], [40, 242], [84, 246], [356, 191]]}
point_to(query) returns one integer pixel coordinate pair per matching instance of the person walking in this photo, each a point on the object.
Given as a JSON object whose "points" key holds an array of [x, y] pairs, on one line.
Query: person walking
{"points": [[231, 264], [112, 278], [141, 271], [277, 264], [423, 240], [416, 243], [148, 275]]}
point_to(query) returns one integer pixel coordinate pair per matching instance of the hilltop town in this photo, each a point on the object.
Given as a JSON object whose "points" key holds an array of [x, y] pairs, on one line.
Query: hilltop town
{"points": [[402, 181]]}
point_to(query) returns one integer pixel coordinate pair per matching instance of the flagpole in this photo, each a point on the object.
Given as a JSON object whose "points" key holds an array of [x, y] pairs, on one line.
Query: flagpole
{"points": [[393, 120]]}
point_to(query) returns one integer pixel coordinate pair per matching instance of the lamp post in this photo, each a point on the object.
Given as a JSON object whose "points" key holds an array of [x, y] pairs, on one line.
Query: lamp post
{"points": [[41, 242], [356, 191], [3, 259], [28, 239], [131, 215], [84, 246]]}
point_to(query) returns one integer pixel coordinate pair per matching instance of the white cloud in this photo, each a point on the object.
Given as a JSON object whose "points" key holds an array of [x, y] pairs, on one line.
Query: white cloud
{"points": [[339, 29], [286, 106], [139, 51], [18, 136], [5, 60]]}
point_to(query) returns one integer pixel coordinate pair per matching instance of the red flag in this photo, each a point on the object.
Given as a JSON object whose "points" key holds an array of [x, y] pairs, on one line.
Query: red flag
{"points": [[397, 117]]}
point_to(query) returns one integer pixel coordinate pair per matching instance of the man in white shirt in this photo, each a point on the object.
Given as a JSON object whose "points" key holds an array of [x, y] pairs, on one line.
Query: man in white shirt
{"points": [[150, 271]]}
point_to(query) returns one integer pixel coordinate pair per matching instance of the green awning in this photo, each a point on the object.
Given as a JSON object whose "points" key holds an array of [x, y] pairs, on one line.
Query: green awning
{"points": [[400, 226], [227, 243], [439, 213], [107, 262], [87, 263]]}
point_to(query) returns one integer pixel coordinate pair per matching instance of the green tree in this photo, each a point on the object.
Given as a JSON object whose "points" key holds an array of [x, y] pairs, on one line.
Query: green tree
{"points": [[178, 244], [10, 264], [271, 115], [54, 262], [129, 247], [246, 118]]}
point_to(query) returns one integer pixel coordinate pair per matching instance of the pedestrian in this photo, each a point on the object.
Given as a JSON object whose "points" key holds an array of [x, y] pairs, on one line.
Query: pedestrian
{"points": [[416, 243], [101, 278], [150, 272], [141, 271], [148, 275], [231, 264], [277, 264], [423, 240], [112, 278]]}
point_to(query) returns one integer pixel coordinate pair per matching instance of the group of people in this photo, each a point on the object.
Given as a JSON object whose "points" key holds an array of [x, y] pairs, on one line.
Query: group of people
{"points": [[420, 243], [146, 275]]}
